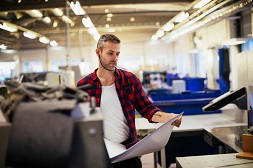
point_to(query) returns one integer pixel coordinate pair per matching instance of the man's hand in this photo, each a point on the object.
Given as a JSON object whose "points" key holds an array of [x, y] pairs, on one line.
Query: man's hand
{"points": [[164, 117]]}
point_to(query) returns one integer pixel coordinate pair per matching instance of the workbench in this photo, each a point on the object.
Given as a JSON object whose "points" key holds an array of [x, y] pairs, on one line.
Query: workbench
{"points": [[230, 138], [214, 161], [194, 126]]}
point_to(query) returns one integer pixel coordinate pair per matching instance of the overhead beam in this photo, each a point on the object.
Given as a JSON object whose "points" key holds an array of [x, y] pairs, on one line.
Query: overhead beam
{"points": [[6, 5]]}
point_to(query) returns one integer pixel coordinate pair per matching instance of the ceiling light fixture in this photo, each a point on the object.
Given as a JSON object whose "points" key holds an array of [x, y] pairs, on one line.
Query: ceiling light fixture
{"points": [[132, 19], [44, 40], [159, 33], [96, 37], [18, 15], [66, 19], [57, 12], [177, 21], [76, 7], [55, 23], [27, 33], [168, 26], [3, 47], [201, 3], [109, 15], [34, 13], [154, 38], [30, 35], [53, 43], [47, 20], [87, 22], [8, 27], [181, 16], [215, 16], [92, 31]]}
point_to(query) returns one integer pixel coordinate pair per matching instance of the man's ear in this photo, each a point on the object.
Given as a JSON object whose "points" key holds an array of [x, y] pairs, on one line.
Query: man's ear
{"points": [[97, 51]]}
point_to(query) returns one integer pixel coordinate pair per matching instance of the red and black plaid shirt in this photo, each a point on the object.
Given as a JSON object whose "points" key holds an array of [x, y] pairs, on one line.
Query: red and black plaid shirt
{"points": [[131, 97]]}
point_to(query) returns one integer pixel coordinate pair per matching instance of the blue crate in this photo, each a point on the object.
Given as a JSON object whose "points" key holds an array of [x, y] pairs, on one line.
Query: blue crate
{"points": [[195, 84]]}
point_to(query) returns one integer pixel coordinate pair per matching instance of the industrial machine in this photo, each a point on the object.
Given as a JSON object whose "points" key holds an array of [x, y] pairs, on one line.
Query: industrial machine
{"points": [[47, 127], [242, 98]]}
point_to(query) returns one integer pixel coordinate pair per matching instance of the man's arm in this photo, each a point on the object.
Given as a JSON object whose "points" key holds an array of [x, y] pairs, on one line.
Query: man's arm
{"points": [[163, 117]]}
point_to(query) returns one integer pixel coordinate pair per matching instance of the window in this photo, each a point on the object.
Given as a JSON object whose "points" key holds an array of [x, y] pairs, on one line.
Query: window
{"points": [[6, 70], [32, 66]]}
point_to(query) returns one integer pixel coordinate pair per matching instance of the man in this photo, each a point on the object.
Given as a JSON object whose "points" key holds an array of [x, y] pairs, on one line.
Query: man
{"points": [[118, 93]]}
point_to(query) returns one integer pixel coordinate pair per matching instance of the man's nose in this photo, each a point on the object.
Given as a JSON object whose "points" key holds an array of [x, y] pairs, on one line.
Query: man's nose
{"points": [[115, 56]]}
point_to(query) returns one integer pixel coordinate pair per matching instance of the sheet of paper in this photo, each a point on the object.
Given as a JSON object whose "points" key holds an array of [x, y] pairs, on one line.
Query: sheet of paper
{"points": [[2, 118], [114, 148], [155, 141]]}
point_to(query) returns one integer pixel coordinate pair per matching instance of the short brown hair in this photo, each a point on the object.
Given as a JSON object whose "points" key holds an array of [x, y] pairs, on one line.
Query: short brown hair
{"points": [[107, 37]]}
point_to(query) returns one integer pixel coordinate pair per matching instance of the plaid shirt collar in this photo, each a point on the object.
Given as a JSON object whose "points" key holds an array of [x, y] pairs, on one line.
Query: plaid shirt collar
{"points": [[95, 77]]}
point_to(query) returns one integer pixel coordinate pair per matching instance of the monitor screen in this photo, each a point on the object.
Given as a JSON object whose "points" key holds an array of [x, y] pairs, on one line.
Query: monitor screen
{"points": [[238, 97]]}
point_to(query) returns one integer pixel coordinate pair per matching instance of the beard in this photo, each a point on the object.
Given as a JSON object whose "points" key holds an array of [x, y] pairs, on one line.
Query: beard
{"points": [[108, 66]]}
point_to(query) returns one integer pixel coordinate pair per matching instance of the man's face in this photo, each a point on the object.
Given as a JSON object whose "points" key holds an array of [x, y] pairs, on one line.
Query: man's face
{"points": [[109, 55]]}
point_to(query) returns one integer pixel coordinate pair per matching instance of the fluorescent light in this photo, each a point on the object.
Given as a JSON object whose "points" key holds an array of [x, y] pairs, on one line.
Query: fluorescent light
{"points": [[87, 22], [34, 13], [53, 43], [96, 37], [46, 20], [154, 38], [92, 31], [55, 24], [159, 33], [168, 26], [3, 47], [109, 15], [30, 35], [44, 40], [201, 3], [57, 12], [9, 51], [76, 7], [181, 16], [8, 27], [66, 19]]}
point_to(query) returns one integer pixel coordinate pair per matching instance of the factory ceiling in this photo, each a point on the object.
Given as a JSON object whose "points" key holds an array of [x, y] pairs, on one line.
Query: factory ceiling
{"points": [[131, 16]]}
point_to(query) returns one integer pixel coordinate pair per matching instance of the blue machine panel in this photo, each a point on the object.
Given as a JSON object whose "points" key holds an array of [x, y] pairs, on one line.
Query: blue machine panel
{"points": [[190, 103]]}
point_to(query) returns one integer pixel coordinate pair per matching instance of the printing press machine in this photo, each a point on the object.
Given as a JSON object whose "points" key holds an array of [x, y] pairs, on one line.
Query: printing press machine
{"points": [[48, 127]]}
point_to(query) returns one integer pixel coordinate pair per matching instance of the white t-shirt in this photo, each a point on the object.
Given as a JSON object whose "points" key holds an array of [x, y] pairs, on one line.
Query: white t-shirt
{"points": [[115, 124]]}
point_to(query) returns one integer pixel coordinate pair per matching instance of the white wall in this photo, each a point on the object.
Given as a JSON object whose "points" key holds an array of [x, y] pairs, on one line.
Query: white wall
{"points": [[212, 38]]}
